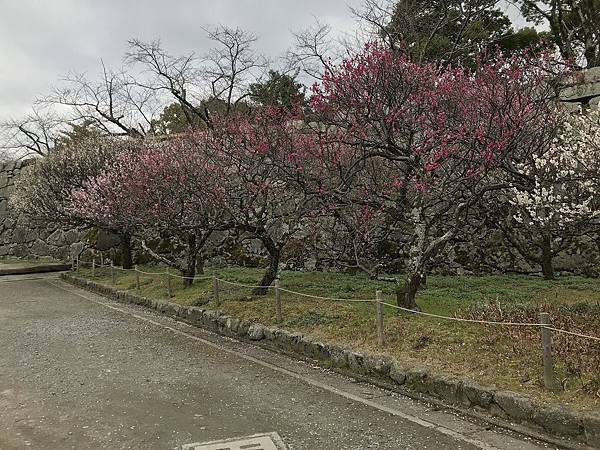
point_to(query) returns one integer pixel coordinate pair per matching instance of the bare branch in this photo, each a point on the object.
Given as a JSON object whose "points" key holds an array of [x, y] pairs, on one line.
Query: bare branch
{"points": [[312, 51], [112, 104], [33, 134]]}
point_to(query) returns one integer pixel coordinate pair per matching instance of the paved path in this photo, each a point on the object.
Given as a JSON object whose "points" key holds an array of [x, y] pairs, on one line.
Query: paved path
{"points": [[79, 371]]}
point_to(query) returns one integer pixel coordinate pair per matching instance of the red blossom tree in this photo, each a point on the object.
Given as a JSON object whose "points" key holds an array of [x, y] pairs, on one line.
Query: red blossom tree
{"points": [[267, 196], [442, 139]]}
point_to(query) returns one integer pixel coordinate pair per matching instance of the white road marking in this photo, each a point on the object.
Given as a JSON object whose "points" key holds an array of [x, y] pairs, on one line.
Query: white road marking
{"points": [[268, 441]]}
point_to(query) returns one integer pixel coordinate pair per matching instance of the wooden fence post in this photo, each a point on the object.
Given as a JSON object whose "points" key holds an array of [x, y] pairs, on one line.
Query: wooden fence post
{"points": [[169, 293], [93, 267], [278, 313], [77, 265], [379, 318], [113, 274], [137, 278], [101, 260], [216, 289], [547, 352]]}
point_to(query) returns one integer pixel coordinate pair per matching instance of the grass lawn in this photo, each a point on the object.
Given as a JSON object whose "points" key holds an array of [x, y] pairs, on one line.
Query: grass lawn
{"points": [[509, 358]]}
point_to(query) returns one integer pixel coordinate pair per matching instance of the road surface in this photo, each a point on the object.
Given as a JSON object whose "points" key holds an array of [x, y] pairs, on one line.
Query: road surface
{"points": [[78, 371]]}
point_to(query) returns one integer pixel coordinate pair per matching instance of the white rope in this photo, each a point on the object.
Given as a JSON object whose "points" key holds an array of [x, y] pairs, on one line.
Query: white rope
{"points": [[293, 292], [156, 273], [558, 330], [150, 273], [458, 319], [352, 300], [245, 285], [189, 278]]}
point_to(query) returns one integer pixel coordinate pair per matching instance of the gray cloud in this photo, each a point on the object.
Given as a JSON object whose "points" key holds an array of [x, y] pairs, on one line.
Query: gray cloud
{"points": [[41, 41]]}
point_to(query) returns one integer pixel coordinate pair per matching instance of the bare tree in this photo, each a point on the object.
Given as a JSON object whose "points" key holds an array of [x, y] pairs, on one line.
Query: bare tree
{"points": [[177, 76], [114, 105], [232, 64], [312, 51], [223, 75], [373, 18], [33, 134]]}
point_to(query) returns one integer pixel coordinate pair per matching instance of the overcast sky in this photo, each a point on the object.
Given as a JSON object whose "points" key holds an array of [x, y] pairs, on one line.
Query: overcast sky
{"points": [[42, 40]]}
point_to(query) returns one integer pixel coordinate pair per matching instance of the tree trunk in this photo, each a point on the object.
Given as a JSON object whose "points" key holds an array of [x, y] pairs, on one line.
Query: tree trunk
{"points": [[271, 272], [190, 261], [406, 294], [126, 256], [547, 267], [200, 265]]}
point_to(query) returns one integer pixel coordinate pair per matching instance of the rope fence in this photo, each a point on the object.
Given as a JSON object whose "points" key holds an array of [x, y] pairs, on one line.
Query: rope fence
{"points": [[544, 323]]}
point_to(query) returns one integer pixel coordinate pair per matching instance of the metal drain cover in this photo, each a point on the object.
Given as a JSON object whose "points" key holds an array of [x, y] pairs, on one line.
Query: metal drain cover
{"points": [[266, 441]]}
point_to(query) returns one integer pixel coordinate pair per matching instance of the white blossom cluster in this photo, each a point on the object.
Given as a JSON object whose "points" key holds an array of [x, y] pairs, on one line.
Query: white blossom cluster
{"points": [[566, 180]]}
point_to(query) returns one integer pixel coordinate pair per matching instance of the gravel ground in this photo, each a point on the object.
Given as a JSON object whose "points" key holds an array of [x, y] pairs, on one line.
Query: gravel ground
{"points": [[78, 371]]}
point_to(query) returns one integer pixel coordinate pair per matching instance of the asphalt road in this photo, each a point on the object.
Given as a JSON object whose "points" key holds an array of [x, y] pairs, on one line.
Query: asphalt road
{"points": [[80, 371]]}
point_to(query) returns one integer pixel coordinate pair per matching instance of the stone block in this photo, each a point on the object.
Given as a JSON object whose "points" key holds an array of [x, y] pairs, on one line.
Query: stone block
{"points": [[19, 235], [377, 365], [591, 429], [106, 240], [417, 380], [232, 325], [243, 327], [516, 407], [40, 248], [321, 351], [305, 346], [356, 361], [56, 238], [477, 395], [397, 373], [72, 236], [580, 91], [195, 315], [338, 356], [558, 420], [446, 388], [270, 333], [256, 332]]}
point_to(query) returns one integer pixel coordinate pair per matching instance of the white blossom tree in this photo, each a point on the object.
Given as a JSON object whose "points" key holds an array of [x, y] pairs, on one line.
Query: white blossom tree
{"points": [[560, 198]]}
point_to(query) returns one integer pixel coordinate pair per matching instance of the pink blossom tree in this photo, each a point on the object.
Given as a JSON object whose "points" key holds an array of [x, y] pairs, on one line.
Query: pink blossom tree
{"points": [[164, 189], [45, 191], [444, 138]]}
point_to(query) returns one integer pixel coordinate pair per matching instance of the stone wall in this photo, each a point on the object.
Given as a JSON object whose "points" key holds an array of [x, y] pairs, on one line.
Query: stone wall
{"points": [[583, 90], [23, 238]]}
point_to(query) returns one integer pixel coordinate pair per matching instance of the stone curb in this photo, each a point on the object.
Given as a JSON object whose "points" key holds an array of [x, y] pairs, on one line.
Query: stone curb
{"points": [[42, 268], [557, 420]]}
